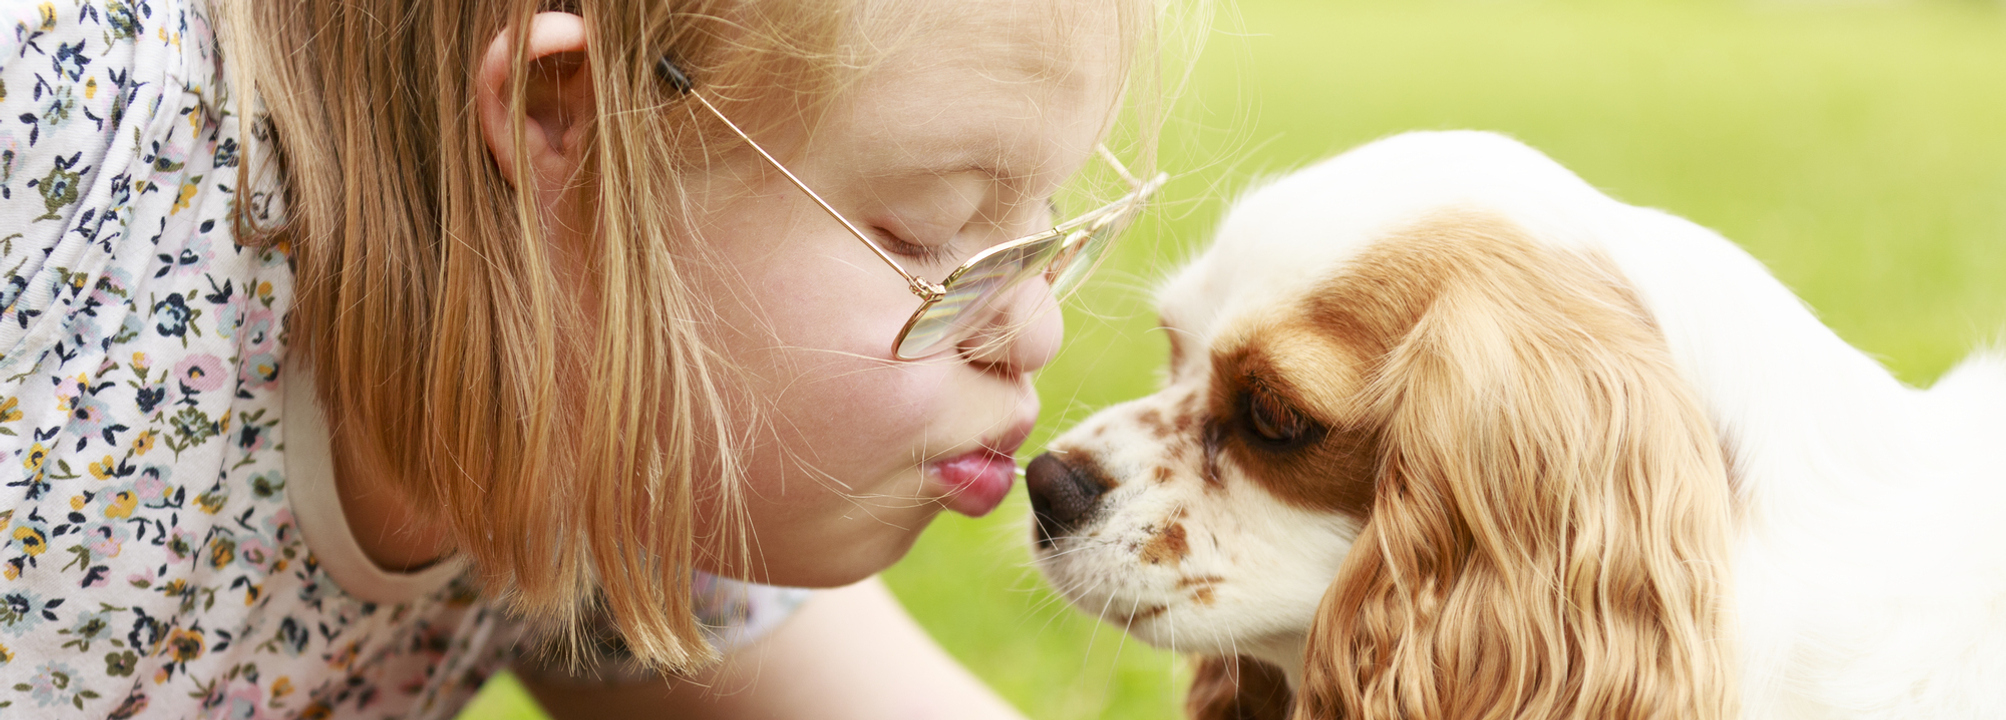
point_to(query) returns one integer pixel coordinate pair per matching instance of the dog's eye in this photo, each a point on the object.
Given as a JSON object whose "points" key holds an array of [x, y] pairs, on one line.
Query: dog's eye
{"points": [[1273, 420]]}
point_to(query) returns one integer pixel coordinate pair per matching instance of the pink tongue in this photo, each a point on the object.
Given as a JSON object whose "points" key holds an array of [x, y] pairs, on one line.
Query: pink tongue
{"points": [[979, 481]]}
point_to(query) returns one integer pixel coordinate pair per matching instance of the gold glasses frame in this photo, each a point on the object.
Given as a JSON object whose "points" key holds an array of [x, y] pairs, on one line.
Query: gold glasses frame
{"points": [[1050, 252]]}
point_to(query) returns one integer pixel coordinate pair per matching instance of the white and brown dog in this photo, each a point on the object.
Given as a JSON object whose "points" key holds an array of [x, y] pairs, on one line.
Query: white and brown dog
{"points": [[1448, 433]]}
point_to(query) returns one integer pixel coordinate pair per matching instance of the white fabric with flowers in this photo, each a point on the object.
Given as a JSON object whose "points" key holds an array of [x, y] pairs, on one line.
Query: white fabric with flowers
{"points": [[151, 553]]}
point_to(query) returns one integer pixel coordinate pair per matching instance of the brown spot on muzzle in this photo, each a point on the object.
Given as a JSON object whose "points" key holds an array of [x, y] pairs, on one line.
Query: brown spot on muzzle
{"points": [[1169, 546]]}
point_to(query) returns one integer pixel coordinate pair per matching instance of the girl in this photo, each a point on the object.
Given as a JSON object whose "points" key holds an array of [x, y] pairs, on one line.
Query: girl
{"points": [[344, 367]]}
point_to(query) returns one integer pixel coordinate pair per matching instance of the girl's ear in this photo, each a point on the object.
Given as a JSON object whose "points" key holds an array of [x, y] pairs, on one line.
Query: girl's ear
{"points": [[557, 102], [1237, 688], [1549, 534]]}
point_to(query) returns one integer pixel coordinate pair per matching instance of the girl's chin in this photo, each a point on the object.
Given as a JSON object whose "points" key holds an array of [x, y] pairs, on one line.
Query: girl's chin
{"points": [[818, 565]]}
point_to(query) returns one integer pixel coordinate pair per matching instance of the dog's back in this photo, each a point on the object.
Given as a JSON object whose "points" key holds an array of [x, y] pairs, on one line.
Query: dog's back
{"points": [[1976, 389]]}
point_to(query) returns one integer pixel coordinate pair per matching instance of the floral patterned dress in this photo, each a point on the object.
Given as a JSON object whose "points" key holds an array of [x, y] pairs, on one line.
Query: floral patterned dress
{"points": [[152, 557]]}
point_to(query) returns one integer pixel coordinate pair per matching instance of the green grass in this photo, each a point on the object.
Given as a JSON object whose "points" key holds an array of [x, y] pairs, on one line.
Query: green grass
{"points": [[1857, 149]]}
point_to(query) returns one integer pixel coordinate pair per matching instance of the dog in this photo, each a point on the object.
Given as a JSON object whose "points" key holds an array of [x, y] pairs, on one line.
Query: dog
{"points": [[1448, 433]]}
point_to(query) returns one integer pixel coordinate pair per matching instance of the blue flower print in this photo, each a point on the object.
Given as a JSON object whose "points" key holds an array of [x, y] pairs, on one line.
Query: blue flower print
{"points": [[88, 416], [175, 315], [226, 153], [69, 60], [52, 685], [192, 258], [88, 628], [259, 371], [149, 398], [24, 610]]}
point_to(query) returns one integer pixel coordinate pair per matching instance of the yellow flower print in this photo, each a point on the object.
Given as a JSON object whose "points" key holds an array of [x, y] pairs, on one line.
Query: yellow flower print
{"points": [[33, 542], [143, 441], [188, 189], [282, 687], [121, 505], [10, 410], [265, 289], [101, 469], [6, 655], [184, 645], [36, 455], [141, 362], [91, 88], [212, 501], [221, 552], [77, 503], [48, 10], [345, 657]]}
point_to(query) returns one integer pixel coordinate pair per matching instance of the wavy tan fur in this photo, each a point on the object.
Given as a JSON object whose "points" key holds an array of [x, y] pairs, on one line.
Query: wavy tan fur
{"points": [[1549, 536]]}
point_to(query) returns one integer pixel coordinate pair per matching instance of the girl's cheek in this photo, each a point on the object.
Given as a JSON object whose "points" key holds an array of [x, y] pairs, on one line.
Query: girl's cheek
{"points": [[901, 401]]}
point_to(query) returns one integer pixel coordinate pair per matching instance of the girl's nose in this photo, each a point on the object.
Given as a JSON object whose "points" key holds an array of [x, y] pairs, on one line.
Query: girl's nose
{"points": [[1021, 335]]}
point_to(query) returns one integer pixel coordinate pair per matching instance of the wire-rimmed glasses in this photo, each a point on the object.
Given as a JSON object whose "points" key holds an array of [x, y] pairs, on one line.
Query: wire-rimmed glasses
{"points": [[953, 308]]}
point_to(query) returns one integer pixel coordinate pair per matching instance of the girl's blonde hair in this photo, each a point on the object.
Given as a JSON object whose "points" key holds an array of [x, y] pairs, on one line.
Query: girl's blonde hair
{"points": [[428, 302]]}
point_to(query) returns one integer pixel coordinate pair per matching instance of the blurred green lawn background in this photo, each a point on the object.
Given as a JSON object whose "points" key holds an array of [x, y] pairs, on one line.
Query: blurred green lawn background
{"points": [[1859, 149]]}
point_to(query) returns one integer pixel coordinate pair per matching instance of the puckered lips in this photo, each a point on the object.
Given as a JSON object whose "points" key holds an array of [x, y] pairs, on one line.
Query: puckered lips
{"points": [[979, 479]]}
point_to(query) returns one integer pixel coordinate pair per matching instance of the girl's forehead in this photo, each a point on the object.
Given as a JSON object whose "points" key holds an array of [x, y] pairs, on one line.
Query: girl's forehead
{"points": [[981, 94]]}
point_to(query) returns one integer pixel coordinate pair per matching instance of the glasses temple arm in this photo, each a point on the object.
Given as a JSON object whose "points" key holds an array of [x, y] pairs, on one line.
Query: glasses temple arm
{"points": [[920, 286], [1119, 168]]}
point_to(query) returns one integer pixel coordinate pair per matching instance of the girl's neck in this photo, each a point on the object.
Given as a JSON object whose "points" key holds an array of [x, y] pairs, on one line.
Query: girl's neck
{"points": [[396, 536]]}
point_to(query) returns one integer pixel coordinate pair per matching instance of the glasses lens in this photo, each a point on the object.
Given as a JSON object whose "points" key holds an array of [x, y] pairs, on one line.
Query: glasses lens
{"points": [[1064, 261], [971, 296], [1083, 251]]}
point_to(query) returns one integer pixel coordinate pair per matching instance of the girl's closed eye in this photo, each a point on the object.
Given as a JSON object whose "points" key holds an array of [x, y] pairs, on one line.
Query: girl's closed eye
{"points": [[945, 241], [940, 252]]}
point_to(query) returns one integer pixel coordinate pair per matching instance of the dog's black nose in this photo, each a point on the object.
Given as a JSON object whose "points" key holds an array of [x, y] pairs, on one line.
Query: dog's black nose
{"points": [[1061, 496]]}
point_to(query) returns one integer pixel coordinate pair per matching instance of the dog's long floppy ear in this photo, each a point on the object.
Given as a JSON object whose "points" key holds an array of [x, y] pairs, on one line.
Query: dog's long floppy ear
{"points": [[1549, 532], [1237, 688]]}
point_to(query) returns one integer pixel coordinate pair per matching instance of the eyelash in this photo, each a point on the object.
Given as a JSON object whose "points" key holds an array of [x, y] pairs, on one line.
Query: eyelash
{"points": [[900, 246], [929, 253], [1273, 422]]}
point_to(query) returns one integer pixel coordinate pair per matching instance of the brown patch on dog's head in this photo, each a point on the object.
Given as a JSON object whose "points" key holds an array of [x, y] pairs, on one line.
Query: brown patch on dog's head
{"points": [[1281, 412]]}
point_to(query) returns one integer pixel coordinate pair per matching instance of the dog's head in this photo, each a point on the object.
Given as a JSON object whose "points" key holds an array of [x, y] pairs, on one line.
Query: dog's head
{"points": [[1422, 447]]}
